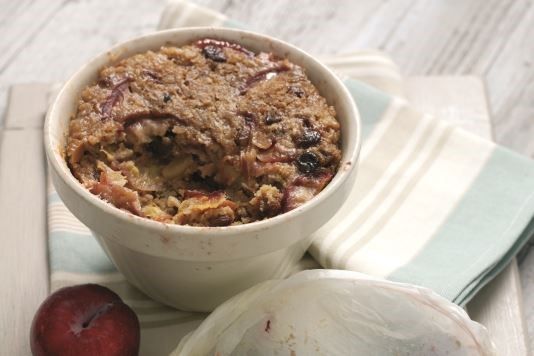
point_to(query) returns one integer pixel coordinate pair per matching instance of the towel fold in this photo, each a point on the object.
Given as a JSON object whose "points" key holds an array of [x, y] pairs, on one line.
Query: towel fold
{"points": [[433, 205]]}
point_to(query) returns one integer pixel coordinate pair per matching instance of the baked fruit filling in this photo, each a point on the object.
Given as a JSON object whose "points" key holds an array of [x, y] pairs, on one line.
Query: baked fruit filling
{"points": [[208, 134]]}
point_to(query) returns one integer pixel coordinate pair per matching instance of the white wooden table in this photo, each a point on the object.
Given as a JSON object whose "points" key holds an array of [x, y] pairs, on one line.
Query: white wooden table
{"points": [[46, 40]]}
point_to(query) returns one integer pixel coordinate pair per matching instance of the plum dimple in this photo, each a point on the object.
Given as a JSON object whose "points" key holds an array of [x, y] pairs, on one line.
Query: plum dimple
{"points": [[235, 127], [88, 318]]}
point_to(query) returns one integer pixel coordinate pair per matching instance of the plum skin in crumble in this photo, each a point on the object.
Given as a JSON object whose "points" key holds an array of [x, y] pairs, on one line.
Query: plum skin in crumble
{"points": [[207, 134]]}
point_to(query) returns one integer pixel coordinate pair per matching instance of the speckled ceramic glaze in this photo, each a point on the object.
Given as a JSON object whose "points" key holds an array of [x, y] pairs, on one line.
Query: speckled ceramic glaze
{"points": [[197, 268]]}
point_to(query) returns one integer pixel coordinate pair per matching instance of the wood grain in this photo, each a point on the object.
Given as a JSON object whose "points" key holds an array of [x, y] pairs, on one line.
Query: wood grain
{"points": [[499, 306], [47, 40], [23, 248], [448, 103], [527, 284]]}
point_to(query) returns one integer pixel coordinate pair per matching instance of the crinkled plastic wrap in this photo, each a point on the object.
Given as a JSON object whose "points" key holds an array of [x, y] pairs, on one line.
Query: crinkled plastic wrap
{"points": [[332, 312]]}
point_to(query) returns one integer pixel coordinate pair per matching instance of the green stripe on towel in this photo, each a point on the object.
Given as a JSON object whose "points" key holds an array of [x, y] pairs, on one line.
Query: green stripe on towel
{"points": [[485, 238], [79, 253], [371, 104]]}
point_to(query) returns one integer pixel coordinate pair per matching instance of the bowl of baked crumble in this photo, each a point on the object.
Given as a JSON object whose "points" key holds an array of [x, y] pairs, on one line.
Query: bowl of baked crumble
{"points": [[202, 159]]}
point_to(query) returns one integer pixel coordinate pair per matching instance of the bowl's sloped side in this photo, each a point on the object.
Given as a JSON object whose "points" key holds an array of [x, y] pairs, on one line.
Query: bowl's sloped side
{"points": [[199, 285]]}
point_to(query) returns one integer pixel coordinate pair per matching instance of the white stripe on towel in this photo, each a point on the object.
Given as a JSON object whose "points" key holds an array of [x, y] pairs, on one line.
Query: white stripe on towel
{"points": [[399, 242], [338, 231]]}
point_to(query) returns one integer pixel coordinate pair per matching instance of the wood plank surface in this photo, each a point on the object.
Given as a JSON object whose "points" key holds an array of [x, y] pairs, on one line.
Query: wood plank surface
{"points": [[23, 248], [47, 40], [499, 306], [527, 284]]}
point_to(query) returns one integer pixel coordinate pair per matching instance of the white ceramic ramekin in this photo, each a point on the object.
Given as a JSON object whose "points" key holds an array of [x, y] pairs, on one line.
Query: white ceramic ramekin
{"points": [[197, 268]]}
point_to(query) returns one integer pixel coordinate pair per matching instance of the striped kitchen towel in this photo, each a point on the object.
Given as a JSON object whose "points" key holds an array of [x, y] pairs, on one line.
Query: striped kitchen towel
{"points": [[433, 205]]}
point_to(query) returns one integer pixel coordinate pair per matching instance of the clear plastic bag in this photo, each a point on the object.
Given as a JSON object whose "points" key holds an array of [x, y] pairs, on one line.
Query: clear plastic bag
{"points": [[333, 312]]}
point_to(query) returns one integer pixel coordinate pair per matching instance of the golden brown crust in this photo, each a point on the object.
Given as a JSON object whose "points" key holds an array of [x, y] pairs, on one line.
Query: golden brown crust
{"points": [[207, 117]]}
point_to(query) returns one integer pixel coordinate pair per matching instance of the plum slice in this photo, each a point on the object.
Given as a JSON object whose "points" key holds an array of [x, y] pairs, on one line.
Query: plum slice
{"points": [[210, 42], [115, 97]]}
